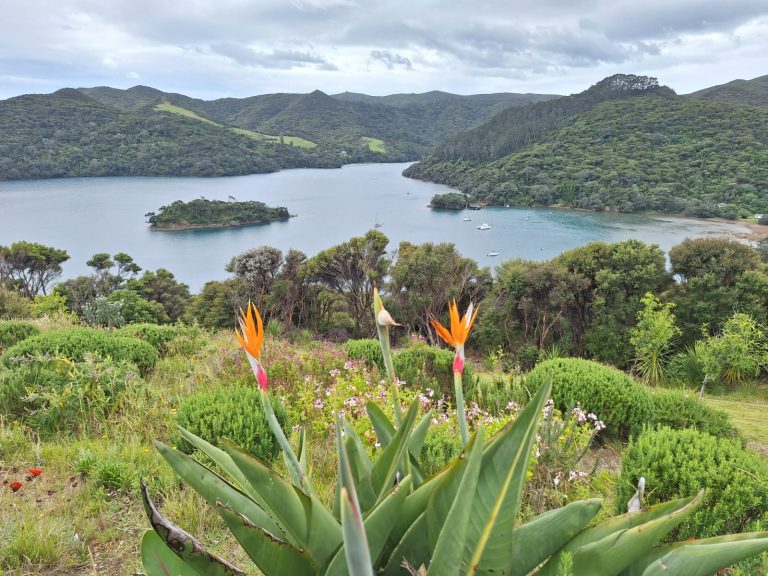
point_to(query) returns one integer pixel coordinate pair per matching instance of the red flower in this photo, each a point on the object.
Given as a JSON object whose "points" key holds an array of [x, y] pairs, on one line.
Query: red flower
{"points": [[35, 471], [16, 485]]}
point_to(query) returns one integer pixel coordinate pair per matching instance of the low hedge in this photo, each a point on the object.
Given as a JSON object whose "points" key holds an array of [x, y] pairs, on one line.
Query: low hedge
{"points": [[159, 335], [677, 409], [677, 463], [423, 366], [75, 343], [14, 331], [622, 403], [366, 349]]}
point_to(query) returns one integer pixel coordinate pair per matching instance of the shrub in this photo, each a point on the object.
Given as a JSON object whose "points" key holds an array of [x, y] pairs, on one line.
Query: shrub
{"points": [[160, 336], [677, 409], [367, 349], [234, 413], [13, 332], [424, 366], [622, 403], [53, 393], [677, 463], [441, 445], [75, 343], [14, 305]]}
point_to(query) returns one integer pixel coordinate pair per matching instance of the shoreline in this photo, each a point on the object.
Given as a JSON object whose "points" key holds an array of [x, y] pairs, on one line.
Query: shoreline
{"points": [[183, 227]]}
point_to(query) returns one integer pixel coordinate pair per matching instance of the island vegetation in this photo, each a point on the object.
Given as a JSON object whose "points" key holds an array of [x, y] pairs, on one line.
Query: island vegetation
{"points": [[449, 201], [121, 357], [204, 213]]}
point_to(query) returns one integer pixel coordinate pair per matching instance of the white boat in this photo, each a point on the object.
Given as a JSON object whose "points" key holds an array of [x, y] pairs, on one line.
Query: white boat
{"points": [[466, 220], [492, 253], [484, 226]]}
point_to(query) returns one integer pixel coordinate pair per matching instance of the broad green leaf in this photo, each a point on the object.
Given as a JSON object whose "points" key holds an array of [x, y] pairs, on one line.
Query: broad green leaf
{"points": [[269, 553], [378, 526], [355, 540], [386, 465], [419, 436], [306, 523], [184, 545], [213, 488], [159, 560], [448, 556], [413, 548], [537, 540], [361, 465], [705, 557], [218, 455], [500, 489], [617, 551], [384, 429]]}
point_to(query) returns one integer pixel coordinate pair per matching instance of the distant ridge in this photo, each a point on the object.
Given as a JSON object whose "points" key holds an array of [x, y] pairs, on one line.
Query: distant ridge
{"points": [[750, 92]]}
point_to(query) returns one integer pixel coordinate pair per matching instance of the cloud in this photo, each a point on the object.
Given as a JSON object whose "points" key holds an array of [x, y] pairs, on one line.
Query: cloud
{"points": [[390, 60]]}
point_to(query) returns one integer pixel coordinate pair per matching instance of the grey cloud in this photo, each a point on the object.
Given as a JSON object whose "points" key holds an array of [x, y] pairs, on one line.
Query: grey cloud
{"points": [[390, 60], [279, 59]]}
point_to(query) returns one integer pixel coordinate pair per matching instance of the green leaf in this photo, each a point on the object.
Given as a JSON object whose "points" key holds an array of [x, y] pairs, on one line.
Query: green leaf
{"points": [[213, 487], [386, 465], [413, 547], [456, 495], [537, 540], [384, 429], [159, 560], [218, 455], [272, 555], [500, 490], [184, 545], [304, 521], [704, 557]]}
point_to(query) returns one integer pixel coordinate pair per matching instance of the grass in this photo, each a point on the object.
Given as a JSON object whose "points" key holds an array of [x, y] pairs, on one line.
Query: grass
{"points": [[168, 107], [374, 144], [749, 416], [287, 140]]}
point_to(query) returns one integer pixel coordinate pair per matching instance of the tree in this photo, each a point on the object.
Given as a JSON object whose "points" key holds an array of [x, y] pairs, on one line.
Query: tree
{"points": [[652, 338], [30, 267], [722, 258], [161, 286], [350, 270], [259, 267]]}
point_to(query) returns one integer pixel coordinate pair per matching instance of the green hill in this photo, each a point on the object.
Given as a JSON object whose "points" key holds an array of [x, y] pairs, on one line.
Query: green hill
{"points": [[750, 92], [69, 134], [657, 152]]}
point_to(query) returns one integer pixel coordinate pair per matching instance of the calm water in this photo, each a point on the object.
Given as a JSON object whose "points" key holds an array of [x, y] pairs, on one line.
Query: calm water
{"points": [[89, 215]]}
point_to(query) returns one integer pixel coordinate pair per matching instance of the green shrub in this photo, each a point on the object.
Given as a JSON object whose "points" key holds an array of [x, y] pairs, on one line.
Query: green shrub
{"points": [[14, 305], [14, 331], [622, 403], [57, 394], [160, 336], [527, 356], [677, 409], [367, 349], [75, 343], [234, 413], [423, 366], [441, 445], [677, 463]]}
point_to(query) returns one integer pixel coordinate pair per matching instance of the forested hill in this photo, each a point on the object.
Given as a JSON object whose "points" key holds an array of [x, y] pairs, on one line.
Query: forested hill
{"points": [[749, 92], [658, 152], [515, 128], [399, 126], [69, 134]]}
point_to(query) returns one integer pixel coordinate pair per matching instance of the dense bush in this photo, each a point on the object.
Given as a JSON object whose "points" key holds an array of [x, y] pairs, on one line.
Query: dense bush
{"points": [[75, 343], [234, 413], [367, 349], [56, 394], [425, 366], [13, 332], [678, 409], [677, 463], [157, 335], [441, 445], [622, 403]]}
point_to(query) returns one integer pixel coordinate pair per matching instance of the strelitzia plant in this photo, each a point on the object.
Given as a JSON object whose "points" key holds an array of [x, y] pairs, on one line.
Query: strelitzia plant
{"points": [[461, 521], [457, 337]]}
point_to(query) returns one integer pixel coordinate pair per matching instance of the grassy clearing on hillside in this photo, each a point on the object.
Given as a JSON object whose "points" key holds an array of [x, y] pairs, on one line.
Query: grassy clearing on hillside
{"points": [[287, 140], [749, 416], [374, 144], [168, 107]]}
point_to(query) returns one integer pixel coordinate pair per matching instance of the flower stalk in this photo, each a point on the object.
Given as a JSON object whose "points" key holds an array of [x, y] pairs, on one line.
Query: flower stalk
{"points": [[383, 321]]}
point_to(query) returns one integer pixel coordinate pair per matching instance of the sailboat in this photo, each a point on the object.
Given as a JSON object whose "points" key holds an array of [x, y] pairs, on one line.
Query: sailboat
{"points": [[378, 224]]}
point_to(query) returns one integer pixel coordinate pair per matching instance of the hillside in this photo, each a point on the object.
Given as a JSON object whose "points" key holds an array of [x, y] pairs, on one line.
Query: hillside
{"points": [[750, 92], [658, 152], [68, 134]]}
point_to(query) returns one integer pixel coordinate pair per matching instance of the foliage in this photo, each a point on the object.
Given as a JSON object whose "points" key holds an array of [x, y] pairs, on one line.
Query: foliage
{"points": [[49, 305], [652, 338], [53, 393], [230, 412], [13, 305], [30, 267], [162, 287], [12, 332], [676, 462], [678, 409], [738, 353], [449, 201], [624, 404], [202, 212], [103, 313], [441, 446], [367, 350], [749, 92], [159, 336], [75, 343], [135, 309], [421, 367]]}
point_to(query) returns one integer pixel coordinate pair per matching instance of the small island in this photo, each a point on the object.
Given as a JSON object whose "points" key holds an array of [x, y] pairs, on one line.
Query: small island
{"points": [[203, 213], [449, 201]]}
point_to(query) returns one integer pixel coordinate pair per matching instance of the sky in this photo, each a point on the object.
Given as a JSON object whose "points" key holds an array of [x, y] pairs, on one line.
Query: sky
{"points": [[218, 48]]}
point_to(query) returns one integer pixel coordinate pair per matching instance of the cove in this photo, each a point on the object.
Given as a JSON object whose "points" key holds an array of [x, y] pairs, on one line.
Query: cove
{"points": [[89, 215]]}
